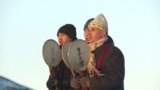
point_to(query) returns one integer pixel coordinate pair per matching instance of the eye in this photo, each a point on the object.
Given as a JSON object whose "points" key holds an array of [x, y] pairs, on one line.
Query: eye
{"points": [[86, 30]]}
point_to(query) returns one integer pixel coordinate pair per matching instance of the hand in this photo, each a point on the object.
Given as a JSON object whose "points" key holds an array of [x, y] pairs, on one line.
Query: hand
{"points": [[75, 83], [83, 73], [52, 83], [84, 81]]}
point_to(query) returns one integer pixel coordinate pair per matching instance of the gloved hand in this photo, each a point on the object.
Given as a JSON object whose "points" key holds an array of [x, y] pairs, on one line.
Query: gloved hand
{"points": [[75, 83], [52, 83], [84, 81], [83, 73]]}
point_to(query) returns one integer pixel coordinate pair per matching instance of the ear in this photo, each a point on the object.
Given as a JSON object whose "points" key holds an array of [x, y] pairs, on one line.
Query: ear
{"points": [[103, 33]]}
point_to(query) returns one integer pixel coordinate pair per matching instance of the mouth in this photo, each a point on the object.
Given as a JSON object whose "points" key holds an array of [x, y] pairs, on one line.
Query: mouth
{"points": [[87, 40], [61, 42]]}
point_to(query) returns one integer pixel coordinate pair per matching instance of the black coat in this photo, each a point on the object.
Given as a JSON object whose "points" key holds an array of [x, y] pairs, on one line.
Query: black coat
{"points": [[112, 67], [62, 78]]}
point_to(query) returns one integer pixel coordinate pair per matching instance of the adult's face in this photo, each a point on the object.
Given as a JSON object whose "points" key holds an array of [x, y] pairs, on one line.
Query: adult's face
{"points": [[62, 38], [92, 35]]}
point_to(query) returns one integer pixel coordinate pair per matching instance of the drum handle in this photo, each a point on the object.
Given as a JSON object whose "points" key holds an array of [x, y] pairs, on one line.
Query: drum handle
{"points": [[72, 70], [93, 71], [91, 67]]}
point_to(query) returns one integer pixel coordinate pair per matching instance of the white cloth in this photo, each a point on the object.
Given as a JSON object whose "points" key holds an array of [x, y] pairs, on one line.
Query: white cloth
{"points": [[91, 64], [98, 43]]}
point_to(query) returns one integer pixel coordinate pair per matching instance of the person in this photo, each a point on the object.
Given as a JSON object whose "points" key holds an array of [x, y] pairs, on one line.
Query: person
{"points": [[111, 65], [80, 81], [108, 59], [60, 76]]}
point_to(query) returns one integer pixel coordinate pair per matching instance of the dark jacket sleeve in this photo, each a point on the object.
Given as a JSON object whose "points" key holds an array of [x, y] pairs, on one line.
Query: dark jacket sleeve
{"points": [[112, 67], [51, 83]]}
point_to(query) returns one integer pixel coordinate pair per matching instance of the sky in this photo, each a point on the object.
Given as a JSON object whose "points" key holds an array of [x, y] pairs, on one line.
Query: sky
{"points": [[25, 25]]}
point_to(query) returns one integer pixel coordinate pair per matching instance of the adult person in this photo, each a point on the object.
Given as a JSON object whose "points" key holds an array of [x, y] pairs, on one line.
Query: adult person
{"points": [[81, 80], [60, 76], [108, 58]]}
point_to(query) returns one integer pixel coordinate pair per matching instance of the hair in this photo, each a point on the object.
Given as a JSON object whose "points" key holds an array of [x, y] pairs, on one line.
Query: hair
{"points": [[87, 23]]}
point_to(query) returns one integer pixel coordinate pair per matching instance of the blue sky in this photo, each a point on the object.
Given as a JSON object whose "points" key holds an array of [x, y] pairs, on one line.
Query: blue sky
{"points": [[26, 24]]}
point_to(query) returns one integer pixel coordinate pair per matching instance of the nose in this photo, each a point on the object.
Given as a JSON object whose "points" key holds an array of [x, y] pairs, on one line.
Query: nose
{"points": [[87, 33]]}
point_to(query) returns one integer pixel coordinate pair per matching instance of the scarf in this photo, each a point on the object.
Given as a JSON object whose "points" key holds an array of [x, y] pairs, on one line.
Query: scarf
{"points": [[91, 64], [98, 43]]}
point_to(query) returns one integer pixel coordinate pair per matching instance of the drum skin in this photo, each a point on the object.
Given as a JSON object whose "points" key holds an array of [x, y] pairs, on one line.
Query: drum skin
{"points": [[65, 54], [78, 54], [51, 53]]}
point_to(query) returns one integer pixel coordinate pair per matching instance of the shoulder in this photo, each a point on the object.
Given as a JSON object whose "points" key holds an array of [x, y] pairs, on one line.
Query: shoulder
{"points": [[115, 49], [112, 50]]}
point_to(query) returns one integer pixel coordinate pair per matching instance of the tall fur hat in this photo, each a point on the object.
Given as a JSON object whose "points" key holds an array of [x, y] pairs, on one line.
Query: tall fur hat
{"points": [[99, 22]]}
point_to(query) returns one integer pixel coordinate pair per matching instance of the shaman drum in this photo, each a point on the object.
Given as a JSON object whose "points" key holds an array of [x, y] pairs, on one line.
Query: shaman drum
{"points": [[65, 49], [51, 53], [78, 54]]}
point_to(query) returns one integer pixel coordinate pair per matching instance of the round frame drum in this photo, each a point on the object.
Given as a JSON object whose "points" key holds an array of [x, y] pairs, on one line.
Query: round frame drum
{"points": [[78, 54], [65, 53], [51, 53]]}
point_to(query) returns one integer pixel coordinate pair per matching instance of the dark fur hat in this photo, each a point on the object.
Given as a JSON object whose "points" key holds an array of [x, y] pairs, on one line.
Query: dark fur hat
{"points": [[68, 29]]}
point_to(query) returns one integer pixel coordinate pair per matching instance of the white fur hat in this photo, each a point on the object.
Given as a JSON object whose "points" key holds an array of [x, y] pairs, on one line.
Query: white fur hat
{"points": [[99, 22]]}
